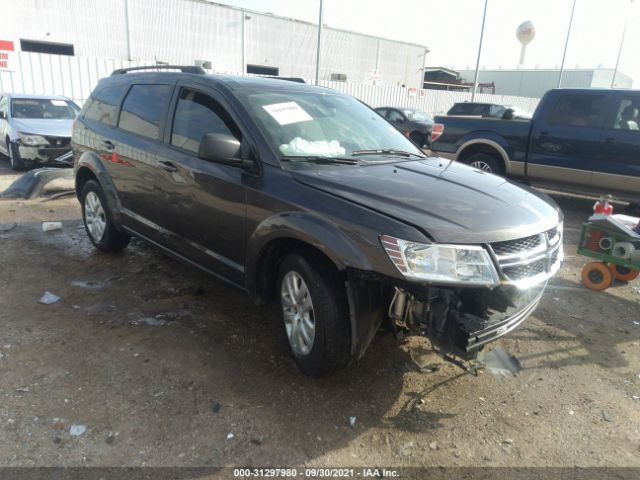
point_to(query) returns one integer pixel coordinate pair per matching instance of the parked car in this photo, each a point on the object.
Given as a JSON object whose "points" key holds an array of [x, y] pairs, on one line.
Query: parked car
{"points": [[35, 128], [581, 141], [415, 124], [490, 110], [305, 194]]}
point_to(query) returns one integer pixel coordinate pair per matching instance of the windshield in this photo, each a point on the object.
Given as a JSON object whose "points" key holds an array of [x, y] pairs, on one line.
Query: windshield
{"points": [[416, 115], [302, 124], [43, 108]]}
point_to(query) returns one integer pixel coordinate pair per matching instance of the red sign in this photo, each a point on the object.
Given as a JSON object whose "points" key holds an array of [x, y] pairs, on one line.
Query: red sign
{"points": [[412, 91], [6, 46]]}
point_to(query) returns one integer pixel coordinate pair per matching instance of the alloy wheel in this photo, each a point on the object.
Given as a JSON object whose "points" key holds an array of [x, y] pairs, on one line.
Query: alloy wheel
{"points": [[94, 216], [297, 309], [481, 165]]}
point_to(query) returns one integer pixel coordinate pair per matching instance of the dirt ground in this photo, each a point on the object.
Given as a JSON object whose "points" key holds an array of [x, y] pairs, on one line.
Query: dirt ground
{"points": [[165, 366]]}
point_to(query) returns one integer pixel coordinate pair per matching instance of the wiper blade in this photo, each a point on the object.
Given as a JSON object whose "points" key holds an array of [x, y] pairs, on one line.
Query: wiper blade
{"points": [[386, 151], [322, 160]]}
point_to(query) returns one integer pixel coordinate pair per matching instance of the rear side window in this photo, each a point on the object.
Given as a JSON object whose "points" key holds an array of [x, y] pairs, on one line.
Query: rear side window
{"points": [[577, 110], [627, 114], [143, 108], [395, 116], [102, 106], [196, 115]]}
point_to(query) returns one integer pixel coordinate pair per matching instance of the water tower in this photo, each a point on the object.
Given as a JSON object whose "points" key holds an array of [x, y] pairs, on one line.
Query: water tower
{"points": [[525, 34]]}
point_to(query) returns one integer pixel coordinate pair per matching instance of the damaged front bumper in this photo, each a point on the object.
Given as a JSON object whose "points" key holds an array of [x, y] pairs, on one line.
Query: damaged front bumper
{"points": [[42, 154]]}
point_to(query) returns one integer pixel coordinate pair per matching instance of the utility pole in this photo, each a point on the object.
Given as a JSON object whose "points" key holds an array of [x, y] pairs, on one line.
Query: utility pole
{"points": [[566, 44], [319, 41], [624, 30], [475, 81], [127, 28]]}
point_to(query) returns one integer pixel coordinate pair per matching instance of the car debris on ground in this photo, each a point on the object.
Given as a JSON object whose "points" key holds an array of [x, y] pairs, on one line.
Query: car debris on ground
{"points": [[49, 298], [51, 226]]}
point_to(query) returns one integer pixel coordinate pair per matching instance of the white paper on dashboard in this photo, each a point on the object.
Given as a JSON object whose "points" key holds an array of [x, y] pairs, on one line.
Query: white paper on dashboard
{"points": [[287, 112]]}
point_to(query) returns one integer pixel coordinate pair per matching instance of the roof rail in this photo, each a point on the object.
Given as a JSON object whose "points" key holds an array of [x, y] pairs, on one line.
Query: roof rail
{"points": [[182, 68]]}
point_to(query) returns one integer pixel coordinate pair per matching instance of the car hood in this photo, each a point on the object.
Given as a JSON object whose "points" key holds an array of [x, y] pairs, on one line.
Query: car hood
{"points": [[43, 126], [448, 201]]}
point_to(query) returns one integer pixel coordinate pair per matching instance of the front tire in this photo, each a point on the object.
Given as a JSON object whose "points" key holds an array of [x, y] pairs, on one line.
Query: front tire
{"points": [[485, 162], [13, 151], [315, 316], [97, 220]]}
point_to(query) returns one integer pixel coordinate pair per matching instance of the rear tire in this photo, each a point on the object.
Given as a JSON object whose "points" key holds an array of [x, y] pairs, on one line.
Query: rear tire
{"points": [[98, 221], [13, 152], [315, 317], [485, 162]]}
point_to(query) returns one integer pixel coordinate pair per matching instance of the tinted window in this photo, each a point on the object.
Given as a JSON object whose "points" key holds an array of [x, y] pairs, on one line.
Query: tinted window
{"points": [[196, 115], [395, 116], [627, 114], [382, 111], [577, 110], [103, 105], [143, 109]]}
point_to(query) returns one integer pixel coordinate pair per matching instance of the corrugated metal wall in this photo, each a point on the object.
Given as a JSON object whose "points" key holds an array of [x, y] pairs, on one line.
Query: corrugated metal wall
{"points": [[75, 77], [181, 31]]}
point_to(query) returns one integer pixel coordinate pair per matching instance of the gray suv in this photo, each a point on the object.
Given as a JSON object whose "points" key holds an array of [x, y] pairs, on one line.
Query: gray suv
{"points": [[305, 195]]}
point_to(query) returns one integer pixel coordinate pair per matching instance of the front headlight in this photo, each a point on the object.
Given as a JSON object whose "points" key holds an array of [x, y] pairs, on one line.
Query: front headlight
{"points": [[439, 263], [32, 140]]}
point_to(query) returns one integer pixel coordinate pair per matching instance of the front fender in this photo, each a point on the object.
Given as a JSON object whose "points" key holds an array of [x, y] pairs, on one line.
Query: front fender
{"points": [[341, 247], [91, 161], [345, 250]]}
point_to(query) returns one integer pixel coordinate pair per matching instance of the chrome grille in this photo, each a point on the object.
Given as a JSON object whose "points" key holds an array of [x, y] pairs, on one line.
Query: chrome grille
{"points": [[516, 246], [529, 260], [520, 272]]}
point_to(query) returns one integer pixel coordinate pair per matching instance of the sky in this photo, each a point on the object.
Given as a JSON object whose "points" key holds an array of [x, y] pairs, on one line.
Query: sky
{"points": [[451, 29]]}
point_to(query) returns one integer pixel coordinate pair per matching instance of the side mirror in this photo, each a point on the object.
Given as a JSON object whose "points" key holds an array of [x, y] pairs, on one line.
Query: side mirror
{"points": [[3, 114], [220, 147], [508, 114]]}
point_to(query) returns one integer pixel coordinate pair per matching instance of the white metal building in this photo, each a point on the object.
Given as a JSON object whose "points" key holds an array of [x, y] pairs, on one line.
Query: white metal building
{"points": [[535, 82], [183, 31]]}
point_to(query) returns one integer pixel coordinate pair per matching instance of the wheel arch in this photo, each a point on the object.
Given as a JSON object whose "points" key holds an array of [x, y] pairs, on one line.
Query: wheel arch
{"points": [[322, 242], [491, 147], [90, 167], [299, 231]]}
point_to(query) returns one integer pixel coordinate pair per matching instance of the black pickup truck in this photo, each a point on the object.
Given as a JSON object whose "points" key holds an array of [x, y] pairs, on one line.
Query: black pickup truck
{"points": [[584, 141]]}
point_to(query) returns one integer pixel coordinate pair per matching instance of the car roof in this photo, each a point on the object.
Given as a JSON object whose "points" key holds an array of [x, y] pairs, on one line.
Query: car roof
{"points": [[232, 82], [34, 96]]}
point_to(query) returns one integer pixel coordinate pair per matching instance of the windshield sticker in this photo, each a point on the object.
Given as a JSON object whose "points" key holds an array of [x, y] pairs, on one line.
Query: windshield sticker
{"points": [[59, 103], [287, 113]]}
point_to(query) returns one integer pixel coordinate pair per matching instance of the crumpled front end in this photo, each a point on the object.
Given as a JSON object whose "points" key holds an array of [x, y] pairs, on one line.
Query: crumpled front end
{"points": [[48, 152], [460, 320]]}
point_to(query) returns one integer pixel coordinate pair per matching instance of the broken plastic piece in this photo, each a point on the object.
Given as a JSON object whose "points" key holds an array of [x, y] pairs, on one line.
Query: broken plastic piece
{"points": [[48, 298], [77, 430], [50, 226]]}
